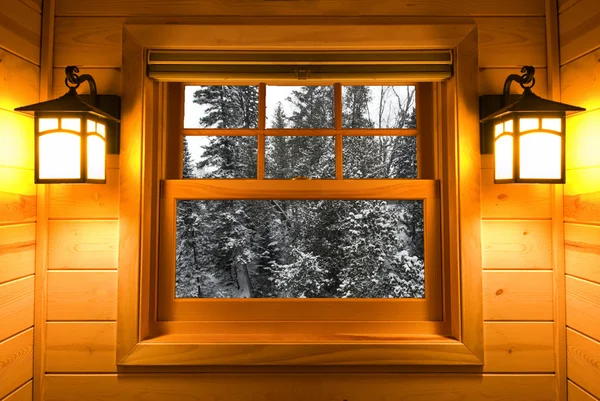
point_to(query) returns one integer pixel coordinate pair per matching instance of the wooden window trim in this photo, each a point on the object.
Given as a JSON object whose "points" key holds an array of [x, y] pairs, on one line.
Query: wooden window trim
{"points": [[139, 342], [406, 316]]}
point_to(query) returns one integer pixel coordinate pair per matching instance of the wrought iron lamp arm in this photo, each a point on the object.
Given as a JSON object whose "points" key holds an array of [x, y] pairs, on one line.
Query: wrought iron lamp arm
{"points": [[527, 81], [72, 81]]}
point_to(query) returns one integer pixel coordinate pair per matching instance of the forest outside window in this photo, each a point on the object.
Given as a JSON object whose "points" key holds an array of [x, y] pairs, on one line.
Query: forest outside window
{"points": [[301, 203]]}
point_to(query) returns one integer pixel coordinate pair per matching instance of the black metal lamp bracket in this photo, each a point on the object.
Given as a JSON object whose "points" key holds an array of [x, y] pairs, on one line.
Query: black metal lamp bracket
{"points": [[110, 104], [489, 104]]}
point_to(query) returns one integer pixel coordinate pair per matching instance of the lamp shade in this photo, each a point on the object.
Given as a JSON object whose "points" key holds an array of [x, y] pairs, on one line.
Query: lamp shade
{"points": [[70, 140]]}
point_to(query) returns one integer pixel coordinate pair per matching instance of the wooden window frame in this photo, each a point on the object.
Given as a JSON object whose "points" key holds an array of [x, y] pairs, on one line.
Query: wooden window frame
{"points": [[138, 340], [221, 316]]}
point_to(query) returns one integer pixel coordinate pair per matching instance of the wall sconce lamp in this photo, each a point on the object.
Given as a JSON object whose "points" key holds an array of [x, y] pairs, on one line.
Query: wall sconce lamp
{"points": [[73, 133], [526, 133]]}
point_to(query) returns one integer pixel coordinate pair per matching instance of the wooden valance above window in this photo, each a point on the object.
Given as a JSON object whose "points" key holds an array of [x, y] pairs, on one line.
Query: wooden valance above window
{"points": [[324, 67]]}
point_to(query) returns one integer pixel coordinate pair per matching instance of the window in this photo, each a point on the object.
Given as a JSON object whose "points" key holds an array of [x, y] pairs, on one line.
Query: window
{"points": [[233, 331], [292, 192]]}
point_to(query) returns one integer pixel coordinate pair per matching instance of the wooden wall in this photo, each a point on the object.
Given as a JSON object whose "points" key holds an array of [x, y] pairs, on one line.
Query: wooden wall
{"points": [[580, 77], [20, 23], [83, 230]]}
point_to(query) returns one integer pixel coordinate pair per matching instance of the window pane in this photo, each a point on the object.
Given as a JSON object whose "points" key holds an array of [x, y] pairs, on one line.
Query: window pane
{"points": [[380, 156], [300, 249], [378, 107], [219, 156], [293, 156], [299, 107], [221, 107]]}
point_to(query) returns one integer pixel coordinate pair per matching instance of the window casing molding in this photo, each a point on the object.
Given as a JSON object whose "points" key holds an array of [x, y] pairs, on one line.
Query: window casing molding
{"points": [[138, 342]]}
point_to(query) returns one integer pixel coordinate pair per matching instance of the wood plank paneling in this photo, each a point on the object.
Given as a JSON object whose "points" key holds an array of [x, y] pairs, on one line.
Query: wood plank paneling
{"points": [[580, 81], [583, 355], [91, 347], [17, 251], [512, 42], [564, 4], [353, 387], [19, 81], [583, 306], [518, 244], [320, 7], [517, 295], [35, 4], [17, 148], [504, 42], [579, 30], [582, 195], [108, 81], [16, 362], [23, 393], [82, 244], [576, 393], [17, 195], [91, 201], [519, 347], [491, 81], [509, 201], [582, 251], [16, 307], [81, 347], [583, 140], [82, 295], [20, 28]]}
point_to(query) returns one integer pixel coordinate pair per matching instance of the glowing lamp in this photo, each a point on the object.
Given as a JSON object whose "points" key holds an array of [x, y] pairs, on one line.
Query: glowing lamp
{"points": [[71, 135], [527, 135]]}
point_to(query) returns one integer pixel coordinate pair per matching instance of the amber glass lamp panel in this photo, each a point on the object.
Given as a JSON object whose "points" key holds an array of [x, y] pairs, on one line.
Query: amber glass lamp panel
{"points": [[541, 149], [59, 148], [96, 150], [503, 150]]}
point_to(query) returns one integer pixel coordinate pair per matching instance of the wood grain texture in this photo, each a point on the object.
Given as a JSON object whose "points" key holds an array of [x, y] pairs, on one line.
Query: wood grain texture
{"points": [[518, 347], [511, 42], [517, 244], [23, 393], [91, 201], [583, 306], [583, 140], [17, 196], [17, 148], [576, 393], [491, 81], [580, 81], [84, 245], [354, 387], [82, 295], [563, 5], [504, 42], [16, 307], [34, 4], [17, 251], [20, 28], [579, 30], [506, 201], [517, 295], [90, 347], [19, 81], [108, 81], [81, 347], [320, 7], [16, 362], [583, 355], [582, 251], [582, 195]]}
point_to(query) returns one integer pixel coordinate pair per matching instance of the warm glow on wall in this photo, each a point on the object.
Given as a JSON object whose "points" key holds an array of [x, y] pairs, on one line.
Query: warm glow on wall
{"points": [[528, 136], [70, 136]]}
